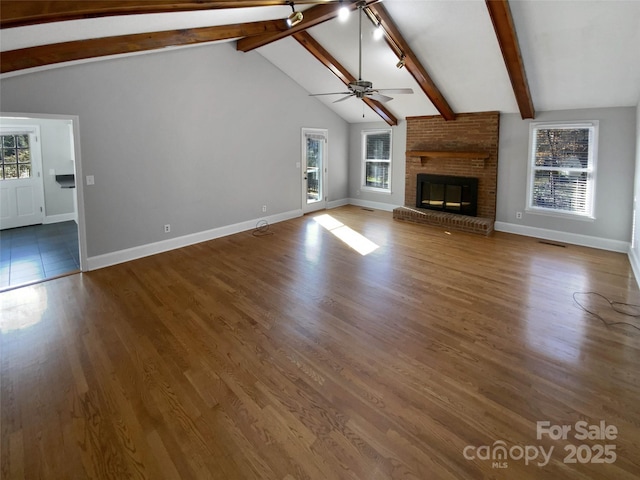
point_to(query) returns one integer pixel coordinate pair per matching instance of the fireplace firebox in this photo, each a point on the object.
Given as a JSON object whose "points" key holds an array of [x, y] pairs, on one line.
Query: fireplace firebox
{"points": [[447, 193]]}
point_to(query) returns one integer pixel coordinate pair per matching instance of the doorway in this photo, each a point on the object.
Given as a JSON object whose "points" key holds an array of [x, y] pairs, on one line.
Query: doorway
{"points": [[53, 244], [314, 169]]}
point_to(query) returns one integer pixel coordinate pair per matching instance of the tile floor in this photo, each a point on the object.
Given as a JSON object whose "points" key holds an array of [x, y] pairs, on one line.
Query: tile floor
{"points": [[38, 252]]}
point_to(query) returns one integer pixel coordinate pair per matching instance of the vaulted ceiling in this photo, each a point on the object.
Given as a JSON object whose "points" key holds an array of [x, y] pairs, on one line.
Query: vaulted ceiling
{"points": [[460, 56]]}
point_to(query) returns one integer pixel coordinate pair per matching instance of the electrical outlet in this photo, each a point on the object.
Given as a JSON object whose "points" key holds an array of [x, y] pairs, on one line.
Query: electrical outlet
{"points": [[519, 215], [90, 180], [167, 228], [264, 208]]}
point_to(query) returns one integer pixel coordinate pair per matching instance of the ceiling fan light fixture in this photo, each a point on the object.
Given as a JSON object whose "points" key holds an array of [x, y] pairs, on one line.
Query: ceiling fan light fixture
{"points": [[295, 17]]}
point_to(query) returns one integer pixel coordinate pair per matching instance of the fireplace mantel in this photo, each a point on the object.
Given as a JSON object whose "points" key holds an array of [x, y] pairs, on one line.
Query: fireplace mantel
{"points": [[446, 154]]}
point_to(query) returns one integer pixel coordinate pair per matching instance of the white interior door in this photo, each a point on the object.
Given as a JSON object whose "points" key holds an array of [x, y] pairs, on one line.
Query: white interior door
{"points": [[314, 169], [21, 187]]}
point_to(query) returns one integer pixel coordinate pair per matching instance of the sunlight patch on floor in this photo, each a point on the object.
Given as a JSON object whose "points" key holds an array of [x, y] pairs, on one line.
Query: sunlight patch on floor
{"points": [[358, 242], [22, 308]]}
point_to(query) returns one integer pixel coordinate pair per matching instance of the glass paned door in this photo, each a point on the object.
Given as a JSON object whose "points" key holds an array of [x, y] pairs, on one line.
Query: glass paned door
{"points": [[21, 187], [313, 168]]}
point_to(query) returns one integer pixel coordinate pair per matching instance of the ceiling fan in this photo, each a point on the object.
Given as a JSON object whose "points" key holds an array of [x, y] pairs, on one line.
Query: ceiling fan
{"points": [[363, 88]]}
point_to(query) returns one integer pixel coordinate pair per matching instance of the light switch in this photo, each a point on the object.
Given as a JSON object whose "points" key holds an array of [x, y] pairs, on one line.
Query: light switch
{"points": [[90, 180]]}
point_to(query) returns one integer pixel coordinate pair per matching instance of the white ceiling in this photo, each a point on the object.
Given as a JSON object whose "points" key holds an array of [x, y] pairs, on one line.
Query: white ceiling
{"points": [[580, 54], [577, 53]]}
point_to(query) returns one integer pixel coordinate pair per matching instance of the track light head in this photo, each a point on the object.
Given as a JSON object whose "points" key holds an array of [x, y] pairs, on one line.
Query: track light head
{"points": [[343, 12], [295, 17], [401, 63]]}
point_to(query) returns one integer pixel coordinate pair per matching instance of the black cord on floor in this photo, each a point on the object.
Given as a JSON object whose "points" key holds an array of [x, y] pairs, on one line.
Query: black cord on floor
{"points": [[628, 309], [262, 229]]}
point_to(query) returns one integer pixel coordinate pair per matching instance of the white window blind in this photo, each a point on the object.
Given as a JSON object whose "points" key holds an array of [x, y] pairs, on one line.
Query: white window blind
{"points": [[562, 168], [376, 165]]}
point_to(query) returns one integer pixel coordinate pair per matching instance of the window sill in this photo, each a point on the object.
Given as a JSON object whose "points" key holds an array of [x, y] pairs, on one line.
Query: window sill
{"points": [[375, 190], [557, 214]]}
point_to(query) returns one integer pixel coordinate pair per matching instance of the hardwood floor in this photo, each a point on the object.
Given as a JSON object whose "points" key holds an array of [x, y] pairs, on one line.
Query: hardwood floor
{"points": [[292, 356]]}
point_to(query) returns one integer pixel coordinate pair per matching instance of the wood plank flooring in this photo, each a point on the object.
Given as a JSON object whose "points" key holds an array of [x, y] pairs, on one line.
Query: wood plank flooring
{"points": [[292, 356]]}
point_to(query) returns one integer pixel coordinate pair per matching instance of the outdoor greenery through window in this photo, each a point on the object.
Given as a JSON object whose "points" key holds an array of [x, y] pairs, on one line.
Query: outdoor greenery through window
{"points": [[562, 170], [376, 148], [314, 163], [15, 157]]}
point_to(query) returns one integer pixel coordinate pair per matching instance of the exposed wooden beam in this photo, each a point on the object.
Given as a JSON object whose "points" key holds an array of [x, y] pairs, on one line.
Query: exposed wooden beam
{"points": [[399, 45], [318, 51], [13, 60], [17, 13], [312, 17], [502, 20]]}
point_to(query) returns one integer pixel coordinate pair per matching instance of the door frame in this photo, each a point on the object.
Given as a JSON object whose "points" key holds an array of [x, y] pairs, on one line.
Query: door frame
{"points": [[36, 166], [321, 204], [79, 190]]}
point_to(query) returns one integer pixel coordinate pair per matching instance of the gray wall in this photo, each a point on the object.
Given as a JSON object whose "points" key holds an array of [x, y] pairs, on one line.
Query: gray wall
{"points": [[57, 155], [634, 252], [198, 138], [399, 148], [614, 180]]}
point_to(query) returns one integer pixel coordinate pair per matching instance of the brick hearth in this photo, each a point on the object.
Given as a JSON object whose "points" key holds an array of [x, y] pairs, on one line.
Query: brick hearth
{"points": [[467, 146], [445, 219]]}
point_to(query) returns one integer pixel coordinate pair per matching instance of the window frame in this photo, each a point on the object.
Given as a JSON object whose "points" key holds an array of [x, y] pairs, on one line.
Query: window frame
{"points": [[590, 170], [17, 148], [364, 160]]}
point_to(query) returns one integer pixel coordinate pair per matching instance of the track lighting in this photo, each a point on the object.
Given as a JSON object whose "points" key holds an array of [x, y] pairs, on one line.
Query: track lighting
{"points": [[295, 18], [401, 63], [343, 12], [378, 33]]}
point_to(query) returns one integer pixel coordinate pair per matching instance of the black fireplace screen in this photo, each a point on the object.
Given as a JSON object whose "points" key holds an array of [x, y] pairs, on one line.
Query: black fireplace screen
{"points": [[448, 193]]}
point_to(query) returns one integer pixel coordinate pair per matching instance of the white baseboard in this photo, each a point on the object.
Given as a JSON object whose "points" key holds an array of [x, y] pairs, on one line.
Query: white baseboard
{"points": [[108, 259], [387, 207], [635, 264], [63, 217], [565, 237], [337, 203]]}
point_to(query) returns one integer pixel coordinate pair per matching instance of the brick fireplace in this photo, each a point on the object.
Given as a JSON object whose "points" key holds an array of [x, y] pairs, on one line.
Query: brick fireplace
{"points": [[465, 147]]}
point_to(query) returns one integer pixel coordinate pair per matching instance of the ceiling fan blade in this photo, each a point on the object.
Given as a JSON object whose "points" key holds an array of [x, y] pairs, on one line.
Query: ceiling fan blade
{"points": [[378, 97], [343, 98], [332, 93], [394, 91]]}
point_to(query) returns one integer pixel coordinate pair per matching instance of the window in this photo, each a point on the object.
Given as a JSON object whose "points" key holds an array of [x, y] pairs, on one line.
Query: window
{"points": [[562, 168], [376, 162], [15, 157]]}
